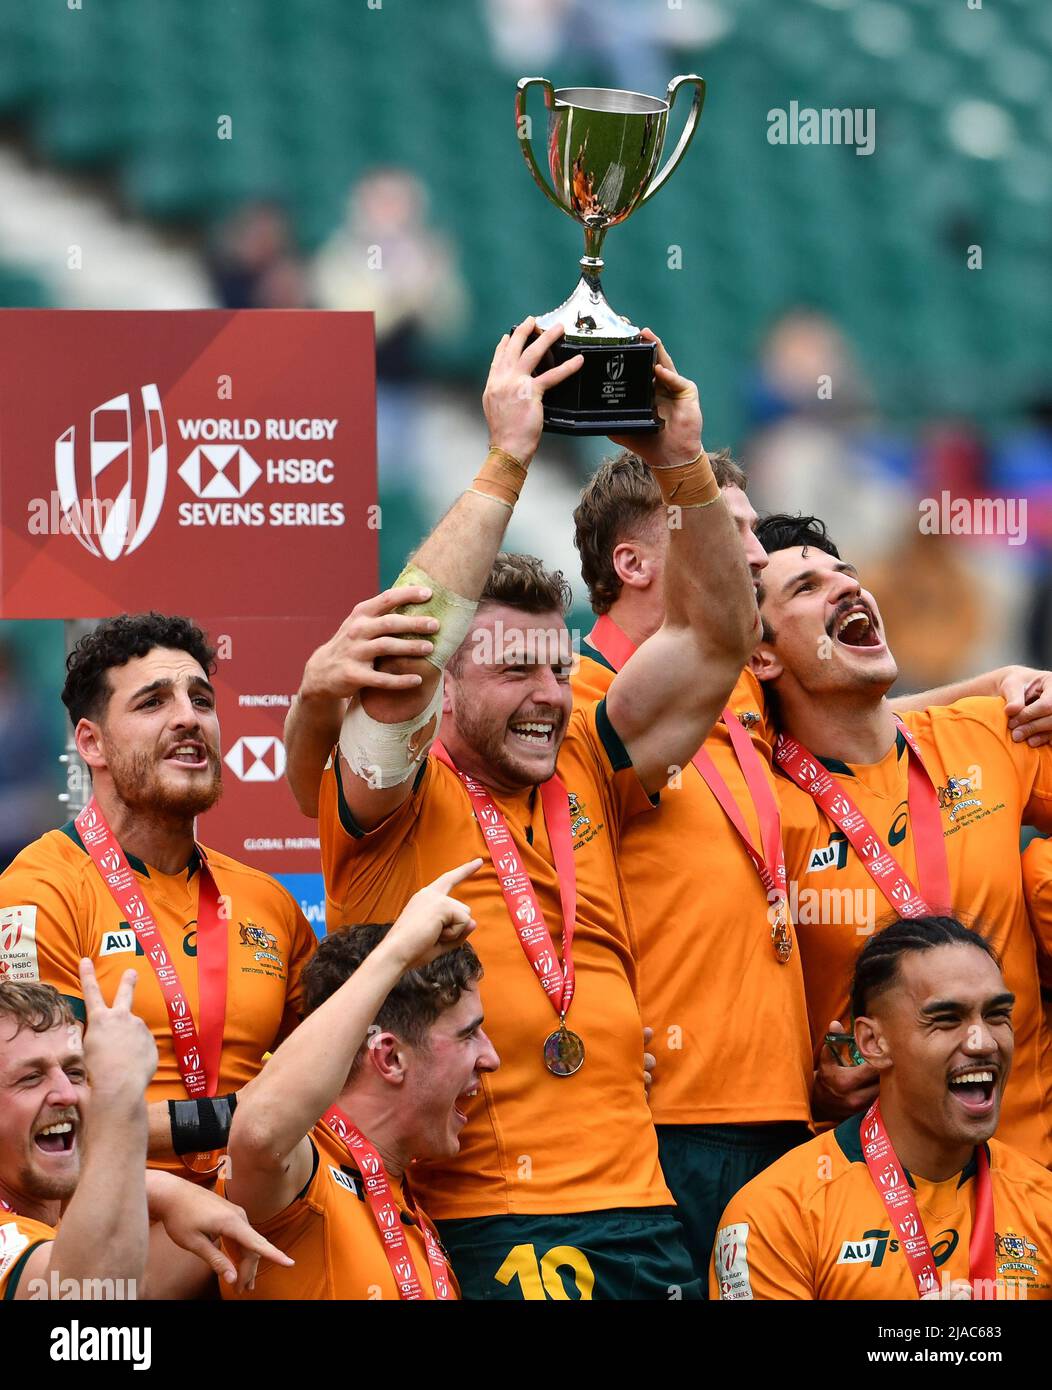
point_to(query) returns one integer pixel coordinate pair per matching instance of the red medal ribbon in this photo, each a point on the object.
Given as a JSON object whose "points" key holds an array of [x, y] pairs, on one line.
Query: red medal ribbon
{"points": [[519, 893], [885, 871], [607, 638], [889, 1178], [198, 1059], [387, 1215]]}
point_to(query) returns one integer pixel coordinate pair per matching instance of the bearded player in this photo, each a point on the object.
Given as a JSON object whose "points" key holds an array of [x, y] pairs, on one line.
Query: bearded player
{"points": [[882, 814], [557, 1190], [914, 1198], [127, 885]]}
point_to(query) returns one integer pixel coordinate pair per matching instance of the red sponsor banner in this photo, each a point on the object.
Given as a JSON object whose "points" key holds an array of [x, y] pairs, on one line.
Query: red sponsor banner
{"points": [[167, 459], [260, 663]]}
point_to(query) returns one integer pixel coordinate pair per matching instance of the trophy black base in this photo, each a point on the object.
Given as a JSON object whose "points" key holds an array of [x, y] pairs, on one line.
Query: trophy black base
{"points": [[612, 393]]}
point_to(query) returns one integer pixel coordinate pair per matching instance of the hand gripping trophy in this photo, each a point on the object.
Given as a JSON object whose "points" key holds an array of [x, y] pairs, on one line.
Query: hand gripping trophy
{"points": [[604, 148]]}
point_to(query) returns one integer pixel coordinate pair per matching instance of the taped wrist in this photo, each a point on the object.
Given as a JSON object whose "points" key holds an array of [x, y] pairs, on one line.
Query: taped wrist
{"points": [[385, 755], [688, 484], [199, 1126], [501, 476], [453, 612]]}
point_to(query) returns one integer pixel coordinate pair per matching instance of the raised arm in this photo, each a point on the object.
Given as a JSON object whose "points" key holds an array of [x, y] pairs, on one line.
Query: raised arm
{"points": [[455, 561], [270, 1155], [337, 672], [672, 690], [104, 1232]]}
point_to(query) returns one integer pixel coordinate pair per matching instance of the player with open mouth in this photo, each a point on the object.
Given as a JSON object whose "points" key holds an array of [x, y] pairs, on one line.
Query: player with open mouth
{"points": [[379, 1075], [914, 1198], [916, 809]]}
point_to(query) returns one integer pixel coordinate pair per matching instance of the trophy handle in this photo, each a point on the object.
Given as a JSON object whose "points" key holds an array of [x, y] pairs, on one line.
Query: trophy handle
{"points": [[693, 116], [522, 126]]}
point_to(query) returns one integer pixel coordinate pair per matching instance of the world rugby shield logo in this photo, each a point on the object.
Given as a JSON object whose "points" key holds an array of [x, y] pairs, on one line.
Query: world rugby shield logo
{"points": [[111, 519]]}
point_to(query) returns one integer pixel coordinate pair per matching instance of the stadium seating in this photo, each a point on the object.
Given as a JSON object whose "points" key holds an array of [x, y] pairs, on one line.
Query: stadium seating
{"points": [[319, 93]]}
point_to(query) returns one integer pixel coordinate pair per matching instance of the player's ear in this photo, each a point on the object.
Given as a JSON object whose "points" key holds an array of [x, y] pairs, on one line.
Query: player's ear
{"points": [[385, 1053], [632, 566], [88, 738], [872, 1043], [764, 663], [447, 693]]}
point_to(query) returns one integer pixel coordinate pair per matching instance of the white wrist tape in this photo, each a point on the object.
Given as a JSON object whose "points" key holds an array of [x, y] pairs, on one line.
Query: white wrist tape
{"points": [[385, 755], [453, 611]]}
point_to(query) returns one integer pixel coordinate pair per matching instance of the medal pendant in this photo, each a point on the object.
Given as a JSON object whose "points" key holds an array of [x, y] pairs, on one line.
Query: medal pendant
{"points": [[563, 1052], [782, 940]]}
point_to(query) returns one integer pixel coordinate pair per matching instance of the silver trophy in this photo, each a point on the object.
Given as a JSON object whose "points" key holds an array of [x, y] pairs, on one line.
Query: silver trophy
{"points": [[604, 148]]}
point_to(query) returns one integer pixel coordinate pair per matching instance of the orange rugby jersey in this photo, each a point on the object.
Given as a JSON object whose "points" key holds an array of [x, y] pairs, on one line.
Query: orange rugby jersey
{"points": [[988, 786], [535, 1143], [729, 1021], [1037, 886], [19, 1237], [331, 1233], [57, 905], [814, 1226]]}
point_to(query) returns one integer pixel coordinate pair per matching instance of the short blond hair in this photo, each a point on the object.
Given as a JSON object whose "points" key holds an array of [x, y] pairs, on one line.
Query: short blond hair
{"points": [[618, 502]]}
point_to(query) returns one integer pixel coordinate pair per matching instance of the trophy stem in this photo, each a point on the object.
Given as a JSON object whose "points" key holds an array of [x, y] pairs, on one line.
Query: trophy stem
{"points": [[593, 243]]}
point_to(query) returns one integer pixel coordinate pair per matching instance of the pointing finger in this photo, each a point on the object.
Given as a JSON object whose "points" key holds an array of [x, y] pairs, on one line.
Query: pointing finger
{"points": [[452, 877]]}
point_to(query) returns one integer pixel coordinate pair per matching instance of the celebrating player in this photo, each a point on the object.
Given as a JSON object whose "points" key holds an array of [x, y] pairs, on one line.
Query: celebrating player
{"points": [[883, 814], [219, 947], [323, 1138], [560, 1172], [725, 982], [913, 1198], [74, 1189]]}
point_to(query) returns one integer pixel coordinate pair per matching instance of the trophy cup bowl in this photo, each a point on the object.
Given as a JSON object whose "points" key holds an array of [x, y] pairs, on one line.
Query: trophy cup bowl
{"points": [[604, 148]]}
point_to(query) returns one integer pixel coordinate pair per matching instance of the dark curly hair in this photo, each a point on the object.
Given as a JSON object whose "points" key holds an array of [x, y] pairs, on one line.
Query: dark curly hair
{"points": [[419, 996], [116, 641], [878, 965]]}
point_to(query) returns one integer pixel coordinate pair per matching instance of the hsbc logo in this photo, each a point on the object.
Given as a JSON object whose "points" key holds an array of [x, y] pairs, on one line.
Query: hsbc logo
{"points": [[110, 519], [219, 471], [257, 758]]}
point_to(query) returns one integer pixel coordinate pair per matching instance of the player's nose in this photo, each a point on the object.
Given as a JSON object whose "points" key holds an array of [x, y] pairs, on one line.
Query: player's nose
{"points": [[62, 1094], [487, 1060]]}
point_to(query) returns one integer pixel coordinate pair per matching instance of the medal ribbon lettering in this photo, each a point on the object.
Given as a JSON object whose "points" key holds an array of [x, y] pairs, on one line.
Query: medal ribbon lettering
{"points": [[387, 1215], [519, 893], [889, 1178], [883, 869], [197, 1056], [606, 637]]}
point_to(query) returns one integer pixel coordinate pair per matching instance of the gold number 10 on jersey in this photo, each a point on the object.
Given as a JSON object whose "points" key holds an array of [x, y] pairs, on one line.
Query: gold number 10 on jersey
{"points": [[540, 1279]]}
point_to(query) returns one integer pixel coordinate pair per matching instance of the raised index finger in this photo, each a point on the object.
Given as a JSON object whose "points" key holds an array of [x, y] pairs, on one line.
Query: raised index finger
{"points": [[93, 1000], [452, 877]]}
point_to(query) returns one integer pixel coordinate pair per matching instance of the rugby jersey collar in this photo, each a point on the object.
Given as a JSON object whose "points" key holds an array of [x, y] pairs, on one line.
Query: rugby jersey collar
{"points": [[849, 1136], [842, 769], [139, 865]]}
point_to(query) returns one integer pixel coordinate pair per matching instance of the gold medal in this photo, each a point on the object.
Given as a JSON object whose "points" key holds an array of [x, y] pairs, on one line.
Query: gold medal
{"points": [[781, 935], [563, 1052]]}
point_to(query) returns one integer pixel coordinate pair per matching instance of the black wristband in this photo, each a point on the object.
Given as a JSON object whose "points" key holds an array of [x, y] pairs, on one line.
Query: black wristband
{"points": [[199, 1126]]}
